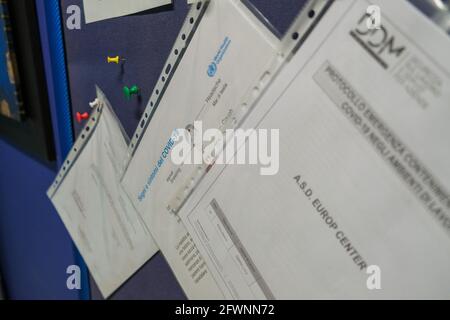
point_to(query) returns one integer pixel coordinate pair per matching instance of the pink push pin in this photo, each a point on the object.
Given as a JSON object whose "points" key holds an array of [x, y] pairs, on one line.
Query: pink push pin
{"points": [[82, 116]]}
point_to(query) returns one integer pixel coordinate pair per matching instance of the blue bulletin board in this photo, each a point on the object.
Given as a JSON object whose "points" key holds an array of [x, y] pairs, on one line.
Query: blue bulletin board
{"points": [[145, 41]]}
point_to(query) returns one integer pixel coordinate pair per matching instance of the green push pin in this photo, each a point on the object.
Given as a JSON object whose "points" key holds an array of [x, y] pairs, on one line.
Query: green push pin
{"points": [[129, 92]]}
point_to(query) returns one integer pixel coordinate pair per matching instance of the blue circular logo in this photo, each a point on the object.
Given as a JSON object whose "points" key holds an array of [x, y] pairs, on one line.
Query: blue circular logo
{"points": [[212, 69]]}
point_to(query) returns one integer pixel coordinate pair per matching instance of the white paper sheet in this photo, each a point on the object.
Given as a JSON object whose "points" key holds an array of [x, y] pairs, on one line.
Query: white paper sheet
{"points": [[97, 10], [364, 177], [101, 220], [241, 47]]}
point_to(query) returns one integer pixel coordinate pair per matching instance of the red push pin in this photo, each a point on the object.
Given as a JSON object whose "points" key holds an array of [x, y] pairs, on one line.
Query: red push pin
{"points": [[82, 116]]}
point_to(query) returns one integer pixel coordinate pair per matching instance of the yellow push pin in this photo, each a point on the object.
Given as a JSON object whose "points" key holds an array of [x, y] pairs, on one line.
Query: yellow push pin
{"points": [[115, 59]]}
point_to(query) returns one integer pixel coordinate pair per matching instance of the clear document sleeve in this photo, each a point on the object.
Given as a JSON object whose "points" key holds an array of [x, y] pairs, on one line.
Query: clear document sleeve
{"points": [[109, 233], [228, 51], [363, 183]]}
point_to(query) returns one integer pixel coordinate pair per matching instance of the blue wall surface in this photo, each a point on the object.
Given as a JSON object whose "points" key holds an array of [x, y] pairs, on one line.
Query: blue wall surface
{"points": [[145, 40], [35, 248]]}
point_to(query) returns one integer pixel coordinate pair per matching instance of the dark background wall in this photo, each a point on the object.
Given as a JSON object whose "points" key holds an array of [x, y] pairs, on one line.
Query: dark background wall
{"points": [[35, 249]]}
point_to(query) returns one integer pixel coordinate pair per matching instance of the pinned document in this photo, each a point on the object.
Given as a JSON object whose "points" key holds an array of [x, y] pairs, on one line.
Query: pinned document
{"points": [[110, 235]]}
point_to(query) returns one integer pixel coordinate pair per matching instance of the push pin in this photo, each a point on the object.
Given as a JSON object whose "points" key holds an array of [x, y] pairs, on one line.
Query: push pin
{"points": [[94, 103], [82, 116], [115, 59], [128, 92]]}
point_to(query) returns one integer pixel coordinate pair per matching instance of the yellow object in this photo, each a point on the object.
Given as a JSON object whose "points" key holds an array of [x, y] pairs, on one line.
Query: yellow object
{"points": [[114, 59]]}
